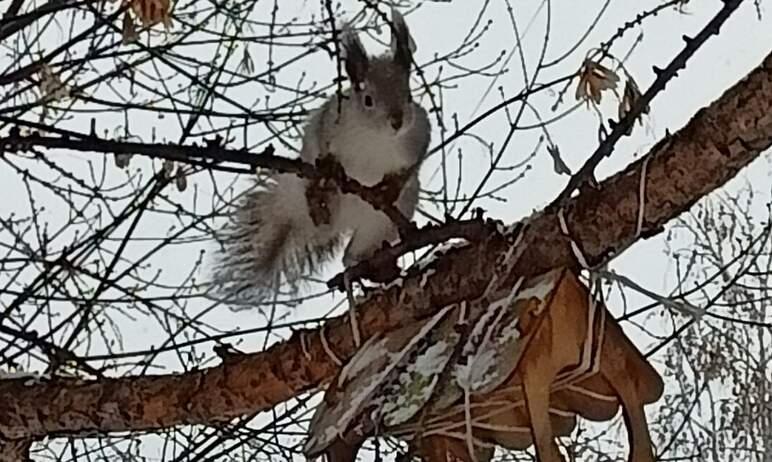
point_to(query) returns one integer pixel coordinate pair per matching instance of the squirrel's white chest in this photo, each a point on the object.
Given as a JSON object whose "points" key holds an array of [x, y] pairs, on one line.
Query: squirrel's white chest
{"points": [[368, 154]]}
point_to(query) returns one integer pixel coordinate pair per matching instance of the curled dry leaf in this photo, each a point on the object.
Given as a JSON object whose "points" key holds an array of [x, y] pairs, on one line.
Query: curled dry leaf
{"points": [[181, 180], [129, 31], [630, 97], [593, 80], [168, 169], [558, 164], [122, 160], [246, 62], [51, 86], [151, 12]]}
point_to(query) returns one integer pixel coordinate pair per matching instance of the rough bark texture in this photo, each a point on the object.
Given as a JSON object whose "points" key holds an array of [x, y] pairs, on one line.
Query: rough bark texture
{"points": [[15, 451], [718, 141]]}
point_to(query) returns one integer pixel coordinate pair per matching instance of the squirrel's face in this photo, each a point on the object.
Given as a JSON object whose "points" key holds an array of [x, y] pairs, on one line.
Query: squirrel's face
{"points": [[384, 96], [381, 85]]}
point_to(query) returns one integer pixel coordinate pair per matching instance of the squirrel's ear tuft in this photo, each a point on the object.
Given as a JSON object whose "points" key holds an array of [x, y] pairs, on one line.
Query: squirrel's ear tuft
{"points": [[402, 44], [355, 56]]}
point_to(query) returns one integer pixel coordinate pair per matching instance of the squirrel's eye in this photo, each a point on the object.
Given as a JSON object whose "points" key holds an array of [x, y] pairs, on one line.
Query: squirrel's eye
{"points": [[368, 101]]}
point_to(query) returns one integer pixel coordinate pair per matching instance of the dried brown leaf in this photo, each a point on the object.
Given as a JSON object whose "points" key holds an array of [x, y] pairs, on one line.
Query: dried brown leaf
{"points": [[152, 12], [181, 180], [168, 169], [629, 98], [51, 86], [129, 30], [593, 80]]}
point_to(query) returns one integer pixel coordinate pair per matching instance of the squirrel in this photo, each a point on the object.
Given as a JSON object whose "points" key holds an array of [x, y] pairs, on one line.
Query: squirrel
{"points": [[292, 226]]}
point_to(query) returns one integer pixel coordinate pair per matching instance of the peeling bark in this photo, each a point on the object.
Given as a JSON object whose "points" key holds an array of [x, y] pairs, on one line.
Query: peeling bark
{"points": [[15, 450], [719, 141]]}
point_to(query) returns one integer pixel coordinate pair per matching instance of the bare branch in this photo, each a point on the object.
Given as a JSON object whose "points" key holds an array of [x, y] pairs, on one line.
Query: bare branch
{"points": [[622, 127], [719, 141]]}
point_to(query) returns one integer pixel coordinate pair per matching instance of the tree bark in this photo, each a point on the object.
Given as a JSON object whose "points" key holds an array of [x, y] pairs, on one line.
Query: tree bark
{"points": [[15, 451], [716, 143]]}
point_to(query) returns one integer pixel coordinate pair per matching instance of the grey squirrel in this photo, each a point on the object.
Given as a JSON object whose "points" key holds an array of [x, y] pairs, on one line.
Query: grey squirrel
{"points": [[278, 233]]}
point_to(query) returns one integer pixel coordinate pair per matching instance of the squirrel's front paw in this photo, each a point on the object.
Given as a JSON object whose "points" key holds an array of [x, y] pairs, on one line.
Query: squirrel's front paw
{"points": [[386, 271], [319, 194], [390, 187]]}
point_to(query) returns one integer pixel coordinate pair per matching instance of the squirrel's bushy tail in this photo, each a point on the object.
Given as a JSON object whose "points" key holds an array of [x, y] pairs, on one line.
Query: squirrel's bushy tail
{"points": [[270, 243]]}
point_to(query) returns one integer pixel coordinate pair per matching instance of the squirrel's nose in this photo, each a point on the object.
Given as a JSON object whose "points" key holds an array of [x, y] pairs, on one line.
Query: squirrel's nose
{"points": [[396, 121]]}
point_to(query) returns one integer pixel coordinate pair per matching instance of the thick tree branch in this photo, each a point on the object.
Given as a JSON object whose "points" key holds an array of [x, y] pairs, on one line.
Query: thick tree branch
{"points": [[623, 126], [212, 155], [710, 150], [15, 451]]}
